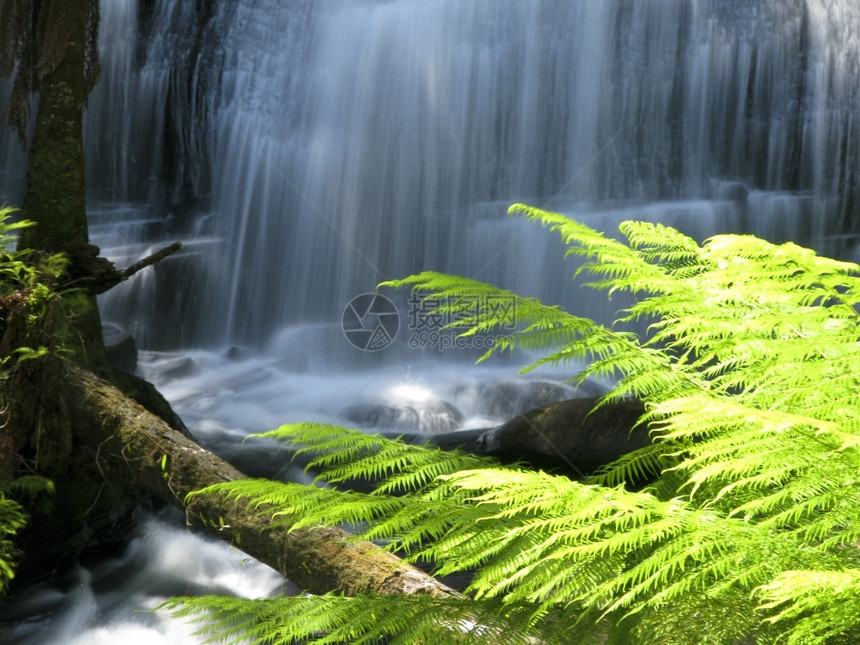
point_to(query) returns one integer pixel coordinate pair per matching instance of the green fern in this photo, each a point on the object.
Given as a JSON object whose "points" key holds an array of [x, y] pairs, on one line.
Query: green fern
{"points": [[21, 282], [748, 365], [12, 520], [370, 620], [344, 454], [825, 604]]}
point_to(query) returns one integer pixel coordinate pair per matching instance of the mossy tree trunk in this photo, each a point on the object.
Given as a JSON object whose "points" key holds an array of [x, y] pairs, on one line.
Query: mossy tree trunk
{"points": [[36, 433], [55, 197]]}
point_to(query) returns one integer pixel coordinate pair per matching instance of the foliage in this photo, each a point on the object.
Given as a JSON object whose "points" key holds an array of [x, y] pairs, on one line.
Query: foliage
{"points": [[12, 520], [749, 529], [336, 620], [26, 285]]}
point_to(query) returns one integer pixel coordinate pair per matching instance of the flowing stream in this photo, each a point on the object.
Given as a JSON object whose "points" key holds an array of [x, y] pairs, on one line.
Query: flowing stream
{"points": [[305, 151]]}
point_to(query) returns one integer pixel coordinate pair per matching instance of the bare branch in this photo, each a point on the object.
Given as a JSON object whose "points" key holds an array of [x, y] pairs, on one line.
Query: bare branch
{"points": [[149, 260], [113, 278]]}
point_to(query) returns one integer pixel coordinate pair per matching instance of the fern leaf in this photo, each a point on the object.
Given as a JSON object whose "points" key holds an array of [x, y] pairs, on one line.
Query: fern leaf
{"points": [[818, 605]]}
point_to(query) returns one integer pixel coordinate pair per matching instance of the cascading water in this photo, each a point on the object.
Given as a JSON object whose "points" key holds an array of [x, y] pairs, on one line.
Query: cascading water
{"points": [[305, 151]]}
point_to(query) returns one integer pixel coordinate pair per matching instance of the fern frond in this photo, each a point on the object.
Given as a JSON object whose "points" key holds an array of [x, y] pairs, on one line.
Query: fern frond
{"points": [[297, 506], [639, 465], [403, 620], [749, 367], [816, 605], [344, 454], [562, 542], [472, 307], [433, 510]]}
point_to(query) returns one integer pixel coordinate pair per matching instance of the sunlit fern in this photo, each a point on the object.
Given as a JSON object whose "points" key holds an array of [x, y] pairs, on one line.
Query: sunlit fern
{"points": [[338, 620], [751, 525]]}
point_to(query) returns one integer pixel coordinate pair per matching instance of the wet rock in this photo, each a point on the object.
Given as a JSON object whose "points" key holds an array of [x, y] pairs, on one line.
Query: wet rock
{"points": [[463, 440], [507, 399], [123, 354], [430, 417], [569, 435], [235, 353], [176, 369], [120, 348]]}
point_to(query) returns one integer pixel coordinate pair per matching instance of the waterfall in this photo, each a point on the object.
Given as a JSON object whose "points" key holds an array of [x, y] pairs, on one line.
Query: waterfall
{"points": [[306, 151]]}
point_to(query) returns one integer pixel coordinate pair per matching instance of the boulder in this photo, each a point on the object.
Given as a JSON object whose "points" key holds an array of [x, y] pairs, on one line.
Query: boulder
{"points": [[120, 349], [179, 368], [569, 435], [507, 399], [431, 416]]}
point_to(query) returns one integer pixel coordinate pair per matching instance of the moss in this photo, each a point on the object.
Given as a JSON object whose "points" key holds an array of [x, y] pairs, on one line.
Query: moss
{"points": [[55, 196]]}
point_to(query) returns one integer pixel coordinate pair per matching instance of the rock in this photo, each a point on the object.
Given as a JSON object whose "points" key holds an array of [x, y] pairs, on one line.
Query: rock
{"points": [[123, 355], [120, 348], [176, 369], [568, 435], [509, 398], [564, 436], [733, 191], [235, 353], [464, 440], [432, 416]]}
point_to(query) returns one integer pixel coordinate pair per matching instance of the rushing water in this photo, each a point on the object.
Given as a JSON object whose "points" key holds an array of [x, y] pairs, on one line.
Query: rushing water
{"points": [[304, 151]]}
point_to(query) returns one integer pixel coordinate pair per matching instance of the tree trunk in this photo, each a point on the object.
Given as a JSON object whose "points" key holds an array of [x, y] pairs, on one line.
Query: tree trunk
{"points": [[55, 197], [35, 430], [55, 193]]}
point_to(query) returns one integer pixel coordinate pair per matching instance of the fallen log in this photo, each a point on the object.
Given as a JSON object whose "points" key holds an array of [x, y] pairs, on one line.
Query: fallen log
{"points": [[136, 449]]}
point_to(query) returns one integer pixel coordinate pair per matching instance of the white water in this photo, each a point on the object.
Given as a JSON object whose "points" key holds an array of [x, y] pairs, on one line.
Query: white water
{"points": [[304, 151], [111, 601]]}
